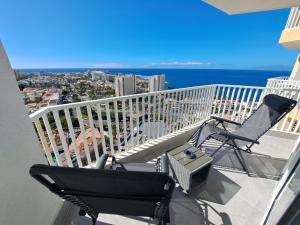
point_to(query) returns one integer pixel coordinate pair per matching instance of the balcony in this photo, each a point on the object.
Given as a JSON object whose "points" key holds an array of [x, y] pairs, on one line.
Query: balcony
{"points": [[76, 134], [248, 6], [139, 128], [290, 36]]}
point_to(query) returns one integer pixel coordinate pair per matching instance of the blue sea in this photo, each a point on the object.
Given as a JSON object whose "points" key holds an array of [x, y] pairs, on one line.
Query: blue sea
{"points": [[179, 78]]}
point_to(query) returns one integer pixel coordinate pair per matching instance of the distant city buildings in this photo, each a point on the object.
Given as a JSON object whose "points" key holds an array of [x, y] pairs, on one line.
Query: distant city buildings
{"points": [[157, 83], [100, 75], [40, 89], [125, 85]]}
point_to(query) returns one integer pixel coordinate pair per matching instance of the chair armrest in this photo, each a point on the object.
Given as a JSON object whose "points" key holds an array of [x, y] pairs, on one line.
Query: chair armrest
{"points": [[234, 136], [101, 161], [225, 120], [164, 164]]}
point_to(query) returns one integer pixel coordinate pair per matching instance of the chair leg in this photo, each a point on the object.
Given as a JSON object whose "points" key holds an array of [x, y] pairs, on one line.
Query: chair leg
{"points": [[94, 220], [221, 146], [241, 160], [248, 150]]}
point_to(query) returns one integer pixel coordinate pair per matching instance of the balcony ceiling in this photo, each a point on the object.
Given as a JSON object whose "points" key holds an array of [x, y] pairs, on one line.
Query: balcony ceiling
{"points": [[248, 6]]}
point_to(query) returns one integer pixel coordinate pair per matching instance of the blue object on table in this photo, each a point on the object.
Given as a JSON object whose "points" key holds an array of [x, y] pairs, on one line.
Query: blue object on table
{"points": [[189, 154]]}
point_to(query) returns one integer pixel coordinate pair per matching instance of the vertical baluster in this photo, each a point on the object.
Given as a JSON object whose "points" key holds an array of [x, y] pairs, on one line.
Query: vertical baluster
{"points": [[193, 110], [167, 112], [182, 114], [226, 100], [137, 106], [247, 103], [73, 138], [230, 103], [196, 103], [175, 111], [154, 116], [100, 123], [163, 114], [170, 112], [202, 104], [221, 101], [233, 116], [186, 108], [117, 124], [294, 20], [143, 119], [288, 23], [124, 124], [111, 138], [190, 110], [216, 99], [91, 124], [179, 111], [83, 133], [208, 103], [51, 139], [239, 118], [62, 138], [253, 102], [211, 95], [149, 117], [159, 115], [44, 141], [131, 122]]}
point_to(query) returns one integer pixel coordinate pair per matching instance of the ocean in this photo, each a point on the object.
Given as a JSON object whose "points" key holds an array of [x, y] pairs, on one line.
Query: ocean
{"points": [[180, 78]]}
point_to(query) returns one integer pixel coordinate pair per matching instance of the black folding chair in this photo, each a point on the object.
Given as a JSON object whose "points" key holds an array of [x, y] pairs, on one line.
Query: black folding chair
{"points": [[122, 192], [269, 113]]}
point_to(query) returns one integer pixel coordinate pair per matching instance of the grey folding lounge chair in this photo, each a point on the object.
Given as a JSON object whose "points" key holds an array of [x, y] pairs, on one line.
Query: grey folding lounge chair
{"points": [[269, 113], [123, 192]]}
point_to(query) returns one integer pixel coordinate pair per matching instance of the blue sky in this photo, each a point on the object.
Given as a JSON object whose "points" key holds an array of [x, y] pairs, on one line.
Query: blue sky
{"points": [[137, 33]]}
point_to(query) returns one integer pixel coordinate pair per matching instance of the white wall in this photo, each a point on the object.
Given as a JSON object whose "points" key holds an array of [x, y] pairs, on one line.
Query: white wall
{"points": [[23, 201], [295, 75]]}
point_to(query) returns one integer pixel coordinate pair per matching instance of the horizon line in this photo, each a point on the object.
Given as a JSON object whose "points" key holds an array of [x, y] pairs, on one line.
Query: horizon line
{"points": [[150, 68]]}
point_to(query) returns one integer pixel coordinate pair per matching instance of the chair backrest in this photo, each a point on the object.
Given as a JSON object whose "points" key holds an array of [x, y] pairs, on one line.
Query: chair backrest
{"points": [[108, 191], [269, 113]]}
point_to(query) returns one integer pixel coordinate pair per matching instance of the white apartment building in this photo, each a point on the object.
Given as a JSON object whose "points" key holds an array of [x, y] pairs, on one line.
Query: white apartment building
{"points": [[157, 83], [125, 85], [100, 75]]}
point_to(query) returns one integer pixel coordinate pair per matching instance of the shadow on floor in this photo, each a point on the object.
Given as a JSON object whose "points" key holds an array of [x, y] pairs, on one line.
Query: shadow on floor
{"points": [[259, 165], [218, 188], [84, 220], [188, 211]]}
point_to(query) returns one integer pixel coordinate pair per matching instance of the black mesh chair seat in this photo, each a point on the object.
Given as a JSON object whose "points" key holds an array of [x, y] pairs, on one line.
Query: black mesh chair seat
{"points": [[131, 193]]}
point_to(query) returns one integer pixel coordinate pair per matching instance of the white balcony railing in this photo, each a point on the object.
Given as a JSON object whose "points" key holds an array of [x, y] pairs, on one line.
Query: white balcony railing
{"points": [[283, 83], [75, 134], [294, 19]]}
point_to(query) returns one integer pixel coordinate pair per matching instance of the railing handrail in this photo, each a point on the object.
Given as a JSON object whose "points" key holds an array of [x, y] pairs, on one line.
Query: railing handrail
{"points": [[284, 78], [46, 109]]}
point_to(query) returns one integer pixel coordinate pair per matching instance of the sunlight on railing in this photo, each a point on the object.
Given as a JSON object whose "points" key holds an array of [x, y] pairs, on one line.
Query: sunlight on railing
{"points": [[77, 134]]}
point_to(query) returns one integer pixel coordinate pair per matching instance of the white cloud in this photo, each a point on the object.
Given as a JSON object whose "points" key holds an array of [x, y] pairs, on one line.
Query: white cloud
{"points": [[108, 65], [179, 63]]}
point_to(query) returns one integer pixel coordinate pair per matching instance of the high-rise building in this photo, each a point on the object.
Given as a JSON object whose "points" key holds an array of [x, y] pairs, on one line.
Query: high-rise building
{"points": [[97, 75], [157, 83], [125, 85]]}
